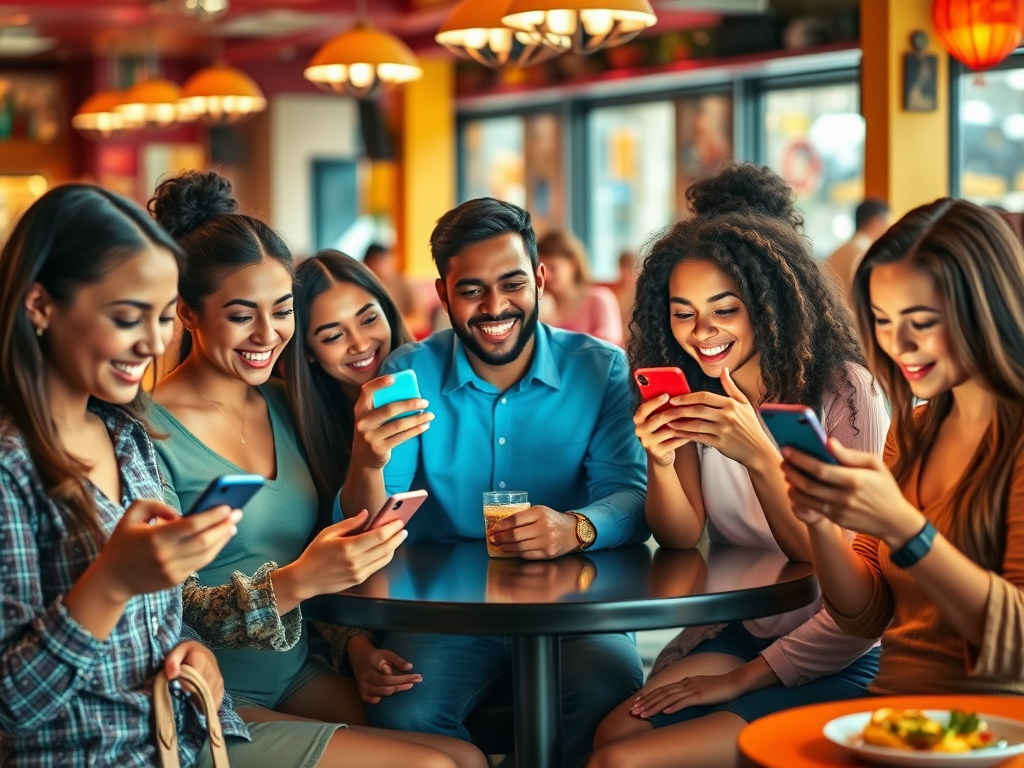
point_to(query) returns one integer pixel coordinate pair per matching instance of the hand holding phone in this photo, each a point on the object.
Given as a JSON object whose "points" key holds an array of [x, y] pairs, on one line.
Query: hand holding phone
{"points": [[797, 426], [654, 382], [404, 387], [400, 506], [229, 490]]}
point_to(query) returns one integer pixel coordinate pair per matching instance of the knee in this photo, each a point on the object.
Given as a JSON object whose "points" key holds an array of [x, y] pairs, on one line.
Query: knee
{"points": [[466, 755], [612, 756], [438, 760], [618, 726]]}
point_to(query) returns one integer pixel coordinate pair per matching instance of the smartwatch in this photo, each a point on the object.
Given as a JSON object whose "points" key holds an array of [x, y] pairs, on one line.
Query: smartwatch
{"points": [[919, 546]]}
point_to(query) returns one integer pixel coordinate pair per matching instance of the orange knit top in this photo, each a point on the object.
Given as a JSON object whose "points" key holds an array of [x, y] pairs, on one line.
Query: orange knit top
{"points": [[922, 653]]}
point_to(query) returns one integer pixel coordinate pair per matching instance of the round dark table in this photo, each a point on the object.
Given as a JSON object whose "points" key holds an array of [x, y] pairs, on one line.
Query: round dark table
{"points": [[458, 589]]}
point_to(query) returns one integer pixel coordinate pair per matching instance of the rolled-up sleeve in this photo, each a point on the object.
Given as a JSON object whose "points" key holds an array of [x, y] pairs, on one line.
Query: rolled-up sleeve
{"points": [[616, 468], [46, 657]]}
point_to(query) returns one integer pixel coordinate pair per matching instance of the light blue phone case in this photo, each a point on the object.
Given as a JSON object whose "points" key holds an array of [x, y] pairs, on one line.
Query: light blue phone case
{"points": [[406, 387]]}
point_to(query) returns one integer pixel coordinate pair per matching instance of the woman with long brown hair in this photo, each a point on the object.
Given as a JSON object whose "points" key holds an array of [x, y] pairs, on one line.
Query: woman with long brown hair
{"points": [[938, 565]]}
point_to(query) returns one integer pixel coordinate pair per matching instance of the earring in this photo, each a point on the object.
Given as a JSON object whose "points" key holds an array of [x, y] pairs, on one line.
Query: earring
{"points": [[40, 331]]}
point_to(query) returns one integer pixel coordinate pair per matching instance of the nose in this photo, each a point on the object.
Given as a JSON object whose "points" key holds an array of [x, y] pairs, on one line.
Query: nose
{"points": [[903, 340], [358, 342], [493, 303], [704, 325], [155, 339], [263, 331]]}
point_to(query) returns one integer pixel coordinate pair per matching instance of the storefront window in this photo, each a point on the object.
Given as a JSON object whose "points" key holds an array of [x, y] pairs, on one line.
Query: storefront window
{"points": [[992, 138], [631, 161], [704, 138], [814, 138]]}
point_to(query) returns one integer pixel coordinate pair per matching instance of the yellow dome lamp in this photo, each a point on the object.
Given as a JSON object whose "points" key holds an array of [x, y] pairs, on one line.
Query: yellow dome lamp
{"points": [[221, 95], [97, 117], [154, 102], [362, 61], [474, 30], [582, 26]]}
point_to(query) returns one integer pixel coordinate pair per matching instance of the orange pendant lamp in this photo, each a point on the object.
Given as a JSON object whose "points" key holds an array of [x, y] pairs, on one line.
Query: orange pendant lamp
{"points": [[221, 95], [97, 117], [979, 33], [582, 26], [154, 102], [474, 31]]}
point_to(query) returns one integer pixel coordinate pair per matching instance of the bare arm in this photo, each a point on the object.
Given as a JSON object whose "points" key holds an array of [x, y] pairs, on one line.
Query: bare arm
{"points": [[675, 522], [846, 580]]}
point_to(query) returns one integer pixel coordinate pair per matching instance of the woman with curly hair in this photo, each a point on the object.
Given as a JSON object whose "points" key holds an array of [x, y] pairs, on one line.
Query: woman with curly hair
{"points": [[734, 297]]}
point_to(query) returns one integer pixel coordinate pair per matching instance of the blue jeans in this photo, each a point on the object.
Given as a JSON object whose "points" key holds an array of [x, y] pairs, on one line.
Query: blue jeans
{"points": [[459, 672]]}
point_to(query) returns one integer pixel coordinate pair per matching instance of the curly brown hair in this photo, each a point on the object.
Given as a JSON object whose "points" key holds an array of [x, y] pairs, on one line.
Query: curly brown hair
{"points": [[745, 188], [803, 331]]}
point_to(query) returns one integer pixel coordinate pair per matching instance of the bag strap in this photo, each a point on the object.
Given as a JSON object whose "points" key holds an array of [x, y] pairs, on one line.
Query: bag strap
{"points": [[166, 731]]}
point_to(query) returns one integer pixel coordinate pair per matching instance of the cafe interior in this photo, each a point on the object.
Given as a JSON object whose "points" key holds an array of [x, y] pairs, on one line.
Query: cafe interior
{"points": [[356, 124]]}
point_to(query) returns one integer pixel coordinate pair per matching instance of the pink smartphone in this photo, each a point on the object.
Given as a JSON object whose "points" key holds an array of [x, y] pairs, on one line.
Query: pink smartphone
{"points": [[661, 381], [401, 506]]}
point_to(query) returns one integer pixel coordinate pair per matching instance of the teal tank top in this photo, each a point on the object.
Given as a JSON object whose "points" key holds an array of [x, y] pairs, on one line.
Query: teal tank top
{"points": [[278, 524]]}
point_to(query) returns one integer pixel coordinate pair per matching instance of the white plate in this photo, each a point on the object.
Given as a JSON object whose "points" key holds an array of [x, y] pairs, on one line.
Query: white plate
{"points": [[846, 732]]}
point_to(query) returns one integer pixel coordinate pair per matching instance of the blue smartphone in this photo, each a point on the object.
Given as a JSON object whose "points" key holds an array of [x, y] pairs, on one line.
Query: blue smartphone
{"points": [[405, 387], [797, 426], [232, 490]]}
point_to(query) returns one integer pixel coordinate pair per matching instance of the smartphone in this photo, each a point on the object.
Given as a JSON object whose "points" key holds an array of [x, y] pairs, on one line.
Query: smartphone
{"points": [[797, 426], [661, 381], [232, 490], [405, 387], [401, 506]]}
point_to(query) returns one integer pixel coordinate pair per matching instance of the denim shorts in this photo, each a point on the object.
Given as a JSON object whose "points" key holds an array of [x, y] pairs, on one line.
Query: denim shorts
{"points": [[313, 667], [735, 640]]}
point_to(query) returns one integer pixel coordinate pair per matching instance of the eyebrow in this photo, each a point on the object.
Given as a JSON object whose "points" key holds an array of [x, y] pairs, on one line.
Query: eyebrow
{"points": [[252, 304], [478, 281], [335, 324], [912, 310], [711, 299], [138, 304]]}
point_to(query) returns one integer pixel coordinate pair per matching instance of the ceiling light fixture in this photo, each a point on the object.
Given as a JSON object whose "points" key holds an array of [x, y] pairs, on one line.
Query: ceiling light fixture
{"points": [[474, 30], [362, 61], [154, 102], [98, 118], [220, 95], [582, 26]]}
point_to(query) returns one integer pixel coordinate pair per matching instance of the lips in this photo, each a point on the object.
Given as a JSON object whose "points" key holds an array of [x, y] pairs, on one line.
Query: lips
{"points": [[495, 330], [366, 364], [916, 372], [256, 359], [713, 353], [129, 373]]}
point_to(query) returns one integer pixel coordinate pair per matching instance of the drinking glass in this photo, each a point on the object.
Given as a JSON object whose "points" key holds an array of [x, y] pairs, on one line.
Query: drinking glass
{"points": [[497, 506]]}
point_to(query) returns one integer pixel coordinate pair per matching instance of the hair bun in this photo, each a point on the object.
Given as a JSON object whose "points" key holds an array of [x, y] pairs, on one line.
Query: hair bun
{"points": [[188, 201], [745, 187]]}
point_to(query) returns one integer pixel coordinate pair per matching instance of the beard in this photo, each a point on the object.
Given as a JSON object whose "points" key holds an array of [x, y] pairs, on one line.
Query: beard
{"points": [[528, 327]]}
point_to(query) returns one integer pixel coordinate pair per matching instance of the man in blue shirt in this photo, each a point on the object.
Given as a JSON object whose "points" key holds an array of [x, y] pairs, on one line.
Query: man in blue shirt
{"points": [[517, 405]]}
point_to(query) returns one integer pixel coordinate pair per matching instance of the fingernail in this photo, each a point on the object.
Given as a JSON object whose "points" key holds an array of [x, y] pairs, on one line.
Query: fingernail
{"points": [[404, 534], [422, 403], [236, 516], [786, 452], [430, 417], [234, 530]]}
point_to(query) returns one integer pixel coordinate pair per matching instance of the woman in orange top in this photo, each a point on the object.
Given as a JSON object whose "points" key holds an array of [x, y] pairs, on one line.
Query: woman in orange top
{"points": [[938, 567]]}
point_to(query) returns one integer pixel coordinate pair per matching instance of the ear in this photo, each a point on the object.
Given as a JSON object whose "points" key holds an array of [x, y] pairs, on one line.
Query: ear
{"points": [[542, 277], [186, 314], [39, 306], [442, 294]]}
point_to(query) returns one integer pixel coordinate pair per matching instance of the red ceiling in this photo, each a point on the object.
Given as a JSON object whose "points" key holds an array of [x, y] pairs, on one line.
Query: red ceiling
{"points": [[85, 28]]}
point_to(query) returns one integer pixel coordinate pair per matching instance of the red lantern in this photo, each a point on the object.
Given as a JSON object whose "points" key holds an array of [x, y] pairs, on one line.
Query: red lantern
{"points": [[979, 33]]}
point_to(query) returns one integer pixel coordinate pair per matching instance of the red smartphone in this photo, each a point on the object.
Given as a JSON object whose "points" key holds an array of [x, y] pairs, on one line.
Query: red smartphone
{"points": [[401, 506], [661, 381], [797, 426]]}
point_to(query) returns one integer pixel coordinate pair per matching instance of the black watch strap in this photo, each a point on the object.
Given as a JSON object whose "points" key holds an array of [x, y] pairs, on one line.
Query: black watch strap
{"points": [[916, 548]]}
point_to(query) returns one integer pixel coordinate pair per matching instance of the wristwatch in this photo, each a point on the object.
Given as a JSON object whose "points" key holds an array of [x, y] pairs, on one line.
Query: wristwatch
{"points": [[919, 546], [586, 533]]}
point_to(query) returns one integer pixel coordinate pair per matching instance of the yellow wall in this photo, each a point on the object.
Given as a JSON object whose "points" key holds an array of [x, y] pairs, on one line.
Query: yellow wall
{"points": [[906, 153], [426, 183]]}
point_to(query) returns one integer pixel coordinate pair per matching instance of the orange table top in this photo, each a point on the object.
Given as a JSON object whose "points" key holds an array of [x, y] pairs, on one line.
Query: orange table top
{"points": [[793, 738]]}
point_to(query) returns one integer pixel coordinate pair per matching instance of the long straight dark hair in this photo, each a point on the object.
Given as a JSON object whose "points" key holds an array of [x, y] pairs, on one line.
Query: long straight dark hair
{"points": [[978, 266], [70, 237], [323, 414]]}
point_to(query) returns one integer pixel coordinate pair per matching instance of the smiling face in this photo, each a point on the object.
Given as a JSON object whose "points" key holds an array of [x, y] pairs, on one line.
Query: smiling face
{"points": [[491, 296], [246, 323], [708, 318], [102, 343], [348, 335], [911, 327]]}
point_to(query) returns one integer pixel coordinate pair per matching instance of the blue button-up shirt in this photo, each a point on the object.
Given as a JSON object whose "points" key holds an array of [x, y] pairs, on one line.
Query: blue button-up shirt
{"points": [[563, 433]]}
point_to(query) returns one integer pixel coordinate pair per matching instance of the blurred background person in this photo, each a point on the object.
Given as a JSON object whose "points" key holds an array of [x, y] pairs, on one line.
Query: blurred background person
{"points": [[384, 264], [571, 301], [871, 219]]}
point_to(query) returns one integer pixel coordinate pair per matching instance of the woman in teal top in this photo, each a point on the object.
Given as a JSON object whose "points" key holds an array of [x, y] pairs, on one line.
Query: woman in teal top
{"points": [[222, 417]]}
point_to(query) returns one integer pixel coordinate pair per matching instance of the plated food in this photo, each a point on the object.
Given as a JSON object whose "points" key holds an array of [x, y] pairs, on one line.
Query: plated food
{"points": [[913, 729], [925, 738]]}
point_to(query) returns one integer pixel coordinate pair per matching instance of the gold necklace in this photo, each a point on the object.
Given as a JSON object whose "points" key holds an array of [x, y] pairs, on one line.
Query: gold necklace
{"points": [[245, 410]]}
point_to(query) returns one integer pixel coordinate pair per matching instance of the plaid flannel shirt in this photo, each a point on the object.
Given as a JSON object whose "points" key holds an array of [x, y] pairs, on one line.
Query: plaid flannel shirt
{"points": [[66, 698]]}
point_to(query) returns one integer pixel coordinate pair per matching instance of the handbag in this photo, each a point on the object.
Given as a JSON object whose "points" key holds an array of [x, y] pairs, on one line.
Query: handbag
{"points": [[166, 728]]}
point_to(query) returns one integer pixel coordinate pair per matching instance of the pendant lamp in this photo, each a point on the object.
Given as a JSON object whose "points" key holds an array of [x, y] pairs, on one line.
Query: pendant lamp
{"points": [[474, 30], [582, 26], [98, 118], [979, 33], [362, 61], [220, 95], [154, 102]]}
